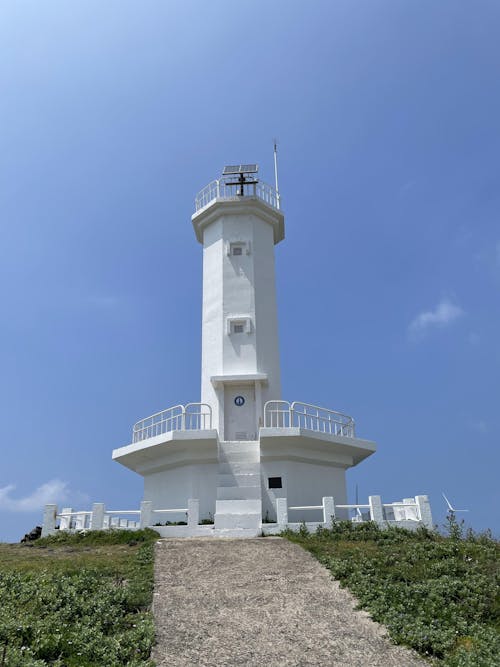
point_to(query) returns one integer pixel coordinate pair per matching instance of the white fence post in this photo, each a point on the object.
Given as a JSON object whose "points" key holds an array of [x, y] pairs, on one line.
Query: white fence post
{"points": [[193, 513], [97, 516], [146, 513], [49, 520], [328, 510], [282, 512], [410, 512], [376, 509], [424, 511], [65, 521]]}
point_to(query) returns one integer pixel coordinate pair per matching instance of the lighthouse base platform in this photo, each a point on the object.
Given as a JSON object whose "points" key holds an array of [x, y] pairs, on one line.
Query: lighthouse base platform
{"points": [[238, 483]]}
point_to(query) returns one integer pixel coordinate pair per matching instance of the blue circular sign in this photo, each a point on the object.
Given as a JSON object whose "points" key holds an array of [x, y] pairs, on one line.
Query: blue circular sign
{"points": [[239, 401]]}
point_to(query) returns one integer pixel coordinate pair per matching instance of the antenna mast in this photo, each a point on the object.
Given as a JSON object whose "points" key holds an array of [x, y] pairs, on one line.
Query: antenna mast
{"points": [[276, 171]]}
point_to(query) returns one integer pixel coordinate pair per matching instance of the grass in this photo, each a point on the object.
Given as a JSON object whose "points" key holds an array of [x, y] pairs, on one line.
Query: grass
{"points": [[436, 594], [77, 600]]}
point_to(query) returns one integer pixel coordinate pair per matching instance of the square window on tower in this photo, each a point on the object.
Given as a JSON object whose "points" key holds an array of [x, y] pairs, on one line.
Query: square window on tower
{"points": [[238, 248], [239, 325]]}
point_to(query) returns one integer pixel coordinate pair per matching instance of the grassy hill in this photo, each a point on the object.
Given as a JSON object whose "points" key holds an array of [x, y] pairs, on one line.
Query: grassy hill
{"points": [[75, 601], [84, 599], [438, 595]]}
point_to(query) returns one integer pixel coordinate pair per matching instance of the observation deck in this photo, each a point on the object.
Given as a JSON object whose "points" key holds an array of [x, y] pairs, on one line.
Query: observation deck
{"points": [[224, 189], [238, 197], [293, 428]]}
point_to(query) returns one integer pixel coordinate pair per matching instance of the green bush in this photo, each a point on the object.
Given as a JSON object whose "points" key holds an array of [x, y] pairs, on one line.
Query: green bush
{"points": [[435, 594], [73, 616]]}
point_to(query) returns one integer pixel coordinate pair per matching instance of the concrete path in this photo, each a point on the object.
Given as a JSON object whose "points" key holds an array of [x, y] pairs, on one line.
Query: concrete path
{"points": [[259, 602]]}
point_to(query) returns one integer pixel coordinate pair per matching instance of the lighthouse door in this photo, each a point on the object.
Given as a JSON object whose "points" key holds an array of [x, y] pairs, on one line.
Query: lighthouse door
{"points": [[239, 412]]}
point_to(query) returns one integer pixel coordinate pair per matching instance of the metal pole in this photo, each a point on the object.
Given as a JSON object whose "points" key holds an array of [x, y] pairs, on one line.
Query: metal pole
{"points": [[276, 172]]}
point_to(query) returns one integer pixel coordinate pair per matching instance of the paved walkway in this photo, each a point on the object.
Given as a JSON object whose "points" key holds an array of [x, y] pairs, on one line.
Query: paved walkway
{"points": [[261, 602]]}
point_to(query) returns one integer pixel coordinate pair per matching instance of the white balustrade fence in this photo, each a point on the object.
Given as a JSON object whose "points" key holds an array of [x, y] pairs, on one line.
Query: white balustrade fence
{"points": [[191, 417], [99, 518], [410, 512], [282, 414], [220, 189]]}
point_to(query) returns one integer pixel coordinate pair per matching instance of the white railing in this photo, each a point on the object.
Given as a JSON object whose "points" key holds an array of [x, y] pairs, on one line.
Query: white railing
{"points": [[99, 518], [282, 414], [408, 513], [191, 417], [220, 189]]}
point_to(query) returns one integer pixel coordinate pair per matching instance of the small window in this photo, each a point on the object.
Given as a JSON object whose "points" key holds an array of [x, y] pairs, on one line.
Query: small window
{"points": [[274, 483], [238, 248], [239, 325]]}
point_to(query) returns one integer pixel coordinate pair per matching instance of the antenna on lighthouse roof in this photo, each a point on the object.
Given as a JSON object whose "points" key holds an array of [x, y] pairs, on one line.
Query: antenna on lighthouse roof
{"points": [[276, 171]]}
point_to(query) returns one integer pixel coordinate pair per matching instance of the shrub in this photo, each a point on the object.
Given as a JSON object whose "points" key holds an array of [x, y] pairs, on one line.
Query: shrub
{"points": [[436, 594]]}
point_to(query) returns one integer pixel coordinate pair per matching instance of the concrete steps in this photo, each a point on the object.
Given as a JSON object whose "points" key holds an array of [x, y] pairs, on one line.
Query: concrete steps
{"points": [[238, 507], [238, 492]]}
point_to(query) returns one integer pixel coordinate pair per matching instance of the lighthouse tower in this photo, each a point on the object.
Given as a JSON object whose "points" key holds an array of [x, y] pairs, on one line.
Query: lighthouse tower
{"points": [[242, 447], [240, 352]]}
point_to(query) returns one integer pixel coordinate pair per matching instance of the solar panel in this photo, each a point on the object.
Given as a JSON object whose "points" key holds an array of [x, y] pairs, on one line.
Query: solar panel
{"points": [[240, 169]]}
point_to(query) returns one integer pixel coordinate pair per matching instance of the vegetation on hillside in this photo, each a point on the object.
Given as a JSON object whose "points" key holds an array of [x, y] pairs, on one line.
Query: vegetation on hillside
{"points": [[438, 595], [77, 600]]}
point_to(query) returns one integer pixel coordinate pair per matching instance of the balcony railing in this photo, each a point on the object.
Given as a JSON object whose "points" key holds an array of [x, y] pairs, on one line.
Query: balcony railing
{"points": [[220, 189], [191, 417], [282, 414]]}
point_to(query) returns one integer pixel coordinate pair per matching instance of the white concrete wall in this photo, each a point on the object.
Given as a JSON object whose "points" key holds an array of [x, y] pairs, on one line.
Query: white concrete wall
{"points": [[303, 484], [172, 488], [239, 286]]}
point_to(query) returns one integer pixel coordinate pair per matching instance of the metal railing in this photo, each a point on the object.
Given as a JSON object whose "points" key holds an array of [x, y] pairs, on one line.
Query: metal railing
{"points": [[190, 417], [282, 414], [220, 189]]}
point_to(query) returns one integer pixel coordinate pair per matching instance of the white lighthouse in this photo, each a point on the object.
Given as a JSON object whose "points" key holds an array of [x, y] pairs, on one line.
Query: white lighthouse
{"points": [[242, 447]]}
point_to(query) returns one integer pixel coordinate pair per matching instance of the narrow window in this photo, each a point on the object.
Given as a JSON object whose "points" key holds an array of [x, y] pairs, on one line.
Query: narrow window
{"points": [[274, 483], [237, 250], [238, 328]]}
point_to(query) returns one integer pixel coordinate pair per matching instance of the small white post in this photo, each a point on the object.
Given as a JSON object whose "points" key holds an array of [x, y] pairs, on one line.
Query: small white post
{"points": [[424, 511], [282, 512], [49, 520], [410, 512], [193, 513], [97, 516], [328, 510], [376, 509], [65, 522], [146, 513]]}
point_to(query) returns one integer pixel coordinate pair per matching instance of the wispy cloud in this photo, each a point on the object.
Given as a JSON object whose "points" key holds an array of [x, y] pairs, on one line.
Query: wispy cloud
{"points": [[54, 491], [443, 315]]}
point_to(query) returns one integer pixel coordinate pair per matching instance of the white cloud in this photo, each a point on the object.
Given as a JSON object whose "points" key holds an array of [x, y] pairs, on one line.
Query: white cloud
{"points": [[54, 491], [443, 314]]}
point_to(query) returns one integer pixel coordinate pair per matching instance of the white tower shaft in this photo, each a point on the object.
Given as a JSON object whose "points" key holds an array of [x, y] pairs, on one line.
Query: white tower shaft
{"points": [[240, 350]]}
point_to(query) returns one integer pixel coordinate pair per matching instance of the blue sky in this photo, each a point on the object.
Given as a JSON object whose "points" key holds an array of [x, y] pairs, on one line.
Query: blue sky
{"points": [[113, 115]]}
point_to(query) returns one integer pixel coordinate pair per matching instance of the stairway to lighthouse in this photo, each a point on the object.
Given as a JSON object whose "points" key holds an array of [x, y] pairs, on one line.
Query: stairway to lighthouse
{"points": [[238, 507]]}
